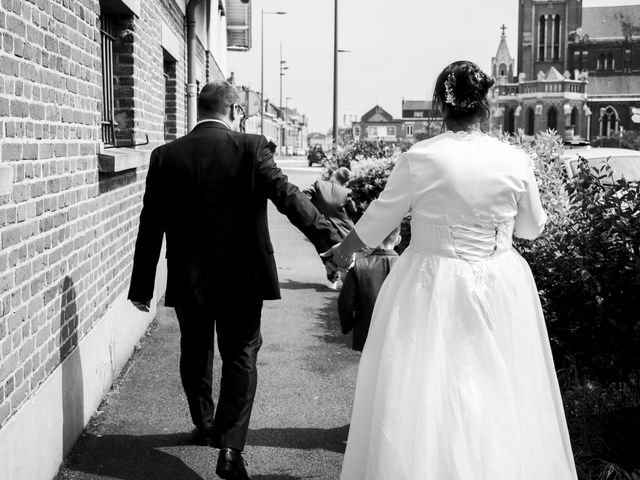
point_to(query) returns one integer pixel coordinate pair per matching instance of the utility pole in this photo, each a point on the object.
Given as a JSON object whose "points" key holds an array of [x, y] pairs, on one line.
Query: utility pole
{"points": [[262, 14], [283, 67], [335, 80]]}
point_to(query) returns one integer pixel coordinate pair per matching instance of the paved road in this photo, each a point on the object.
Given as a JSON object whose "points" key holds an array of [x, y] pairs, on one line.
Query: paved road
{"points": [[301, 414]]}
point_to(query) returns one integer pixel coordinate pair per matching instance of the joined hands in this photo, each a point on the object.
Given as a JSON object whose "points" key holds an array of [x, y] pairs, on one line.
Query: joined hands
{"points": [[336, 263]]}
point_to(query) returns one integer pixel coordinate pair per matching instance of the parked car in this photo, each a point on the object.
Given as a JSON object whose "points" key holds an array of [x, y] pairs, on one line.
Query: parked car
{"points": [[623, 162], [300, 152], [316, 154]]}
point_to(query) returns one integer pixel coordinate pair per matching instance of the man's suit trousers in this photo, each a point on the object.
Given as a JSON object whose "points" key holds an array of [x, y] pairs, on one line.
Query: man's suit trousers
{"points": [[237, 325]]}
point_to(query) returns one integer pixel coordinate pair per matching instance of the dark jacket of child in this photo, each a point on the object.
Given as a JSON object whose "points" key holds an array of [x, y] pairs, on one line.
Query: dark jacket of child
{"points": [[360, 291]]}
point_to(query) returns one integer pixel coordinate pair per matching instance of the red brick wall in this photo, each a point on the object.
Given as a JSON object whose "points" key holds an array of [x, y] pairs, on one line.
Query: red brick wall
{"points": [[66, 232]]}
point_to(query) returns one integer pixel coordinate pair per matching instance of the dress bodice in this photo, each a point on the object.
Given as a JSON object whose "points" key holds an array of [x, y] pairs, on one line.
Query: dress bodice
{"points": [[467, 193]]}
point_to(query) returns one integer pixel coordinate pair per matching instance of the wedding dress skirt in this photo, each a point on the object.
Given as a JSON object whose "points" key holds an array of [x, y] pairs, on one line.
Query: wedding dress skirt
{"points": [[456, 380]]}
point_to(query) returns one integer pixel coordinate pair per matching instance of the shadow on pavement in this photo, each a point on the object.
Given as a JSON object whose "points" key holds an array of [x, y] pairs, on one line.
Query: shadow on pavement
{"points": [[330, 439], [293, 285], [130, 457], [329, 323]]}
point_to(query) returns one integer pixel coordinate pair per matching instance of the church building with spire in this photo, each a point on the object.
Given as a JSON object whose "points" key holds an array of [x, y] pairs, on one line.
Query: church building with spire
{"points": [[578, 71]]}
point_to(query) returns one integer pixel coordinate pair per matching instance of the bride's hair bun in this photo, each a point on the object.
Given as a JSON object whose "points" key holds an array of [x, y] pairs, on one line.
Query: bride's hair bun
{"points": [[462, 86]]}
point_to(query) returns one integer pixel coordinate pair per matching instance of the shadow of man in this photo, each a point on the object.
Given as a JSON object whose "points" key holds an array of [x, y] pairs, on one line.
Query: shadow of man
{"points": [[71, 363], [132, 457]]}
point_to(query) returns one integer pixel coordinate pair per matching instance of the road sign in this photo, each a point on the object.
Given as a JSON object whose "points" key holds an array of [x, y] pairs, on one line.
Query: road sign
{"points": [[635, 118], [249, 100], [635, 110]]}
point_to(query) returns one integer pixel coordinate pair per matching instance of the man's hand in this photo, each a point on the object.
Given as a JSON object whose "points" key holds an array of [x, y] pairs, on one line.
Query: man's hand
{"points": [[142, 306], [335, 261]]}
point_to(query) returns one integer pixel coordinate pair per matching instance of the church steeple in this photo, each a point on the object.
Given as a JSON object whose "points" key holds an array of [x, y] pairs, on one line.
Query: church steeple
{"points": [[503, 64]]}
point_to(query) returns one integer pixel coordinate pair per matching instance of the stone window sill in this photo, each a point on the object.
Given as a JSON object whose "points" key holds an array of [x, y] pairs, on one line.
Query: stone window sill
{"points": [[6, 180], [116, 160]]}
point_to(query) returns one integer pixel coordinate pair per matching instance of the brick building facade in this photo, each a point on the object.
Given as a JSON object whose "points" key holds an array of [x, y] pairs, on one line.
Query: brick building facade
{"points": [[87, 89]]}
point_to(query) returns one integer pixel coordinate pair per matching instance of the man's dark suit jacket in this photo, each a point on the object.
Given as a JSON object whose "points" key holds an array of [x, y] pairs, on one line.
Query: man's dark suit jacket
{"points": [[360, 290], [208, 191]]}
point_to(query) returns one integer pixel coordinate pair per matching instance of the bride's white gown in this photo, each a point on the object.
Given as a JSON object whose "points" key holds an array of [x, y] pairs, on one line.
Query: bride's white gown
{"points": [[456, 380]]}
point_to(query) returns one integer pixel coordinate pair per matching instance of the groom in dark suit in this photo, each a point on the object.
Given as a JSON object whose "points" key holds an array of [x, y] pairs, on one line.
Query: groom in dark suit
{"points": [[207, 192]]}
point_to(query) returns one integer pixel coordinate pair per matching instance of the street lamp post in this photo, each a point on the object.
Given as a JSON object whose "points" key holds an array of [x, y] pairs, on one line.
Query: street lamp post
{"points": [[262, 14], [283, 67], [335, 78]]}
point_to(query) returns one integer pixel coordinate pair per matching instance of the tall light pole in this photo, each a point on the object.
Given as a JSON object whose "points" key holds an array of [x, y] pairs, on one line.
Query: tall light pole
{"points": [[335, 79], [335, 102], [283, 67], [262, 14]]}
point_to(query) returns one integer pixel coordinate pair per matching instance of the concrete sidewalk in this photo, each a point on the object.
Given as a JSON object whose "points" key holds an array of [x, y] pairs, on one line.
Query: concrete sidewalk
{"points": [[305, 389]]}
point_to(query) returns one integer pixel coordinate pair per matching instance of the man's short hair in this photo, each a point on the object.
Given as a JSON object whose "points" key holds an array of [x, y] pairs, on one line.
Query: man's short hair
{"points": [[216, 97]]}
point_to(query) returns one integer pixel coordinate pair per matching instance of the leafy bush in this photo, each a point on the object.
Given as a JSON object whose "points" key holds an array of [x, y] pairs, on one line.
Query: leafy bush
{"points": [[587, 269], [604, 423], [368, 179], [355, 152]]}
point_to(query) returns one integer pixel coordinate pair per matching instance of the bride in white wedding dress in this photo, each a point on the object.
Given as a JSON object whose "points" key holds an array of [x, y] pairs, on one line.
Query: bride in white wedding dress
{"points": [[456, 380]]}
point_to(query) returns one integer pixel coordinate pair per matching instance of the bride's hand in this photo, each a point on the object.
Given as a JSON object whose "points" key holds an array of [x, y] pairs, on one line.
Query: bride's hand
{"points": [[335, 257]]}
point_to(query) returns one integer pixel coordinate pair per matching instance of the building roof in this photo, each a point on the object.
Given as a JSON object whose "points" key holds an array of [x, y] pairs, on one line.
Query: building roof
{"points": [[416, 105], [554, 75], [377, 114], [611, 22], [613, 85]]}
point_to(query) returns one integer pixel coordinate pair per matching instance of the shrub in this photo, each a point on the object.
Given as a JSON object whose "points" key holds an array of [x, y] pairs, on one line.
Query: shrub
{"points": [[587, 269], [356, 151], [368, 179]]}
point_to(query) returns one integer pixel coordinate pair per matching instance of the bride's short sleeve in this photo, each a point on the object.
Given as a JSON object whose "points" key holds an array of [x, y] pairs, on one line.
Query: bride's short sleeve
{"points": [[386, 212], [531, 217]]}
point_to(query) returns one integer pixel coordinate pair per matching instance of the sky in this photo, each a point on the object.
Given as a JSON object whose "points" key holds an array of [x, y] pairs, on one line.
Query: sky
{"points": [[397, 48]]}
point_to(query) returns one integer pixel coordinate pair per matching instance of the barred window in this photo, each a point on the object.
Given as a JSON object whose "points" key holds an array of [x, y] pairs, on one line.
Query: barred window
{"points": [[106, 50]]}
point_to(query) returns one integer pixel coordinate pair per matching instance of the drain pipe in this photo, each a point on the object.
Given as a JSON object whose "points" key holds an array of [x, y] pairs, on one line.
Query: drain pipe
{"points": [[192, 87]]}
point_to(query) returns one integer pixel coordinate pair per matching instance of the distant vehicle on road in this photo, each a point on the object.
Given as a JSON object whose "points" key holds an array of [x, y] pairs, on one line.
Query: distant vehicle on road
{"points": [[316, 154], [623, 162], [300, 152]]}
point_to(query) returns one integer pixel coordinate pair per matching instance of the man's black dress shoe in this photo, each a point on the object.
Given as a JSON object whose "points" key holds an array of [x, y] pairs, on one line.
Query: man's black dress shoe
{"points": [[200, 436], [231, 465]]}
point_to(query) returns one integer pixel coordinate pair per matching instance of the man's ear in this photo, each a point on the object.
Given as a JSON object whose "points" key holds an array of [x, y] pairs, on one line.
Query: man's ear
{"points": [[232, 113]]}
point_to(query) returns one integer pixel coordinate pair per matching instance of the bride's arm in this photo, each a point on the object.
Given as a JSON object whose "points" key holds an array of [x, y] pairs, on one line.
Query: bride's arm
{"points": [[382, 216], [531, 217]]}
